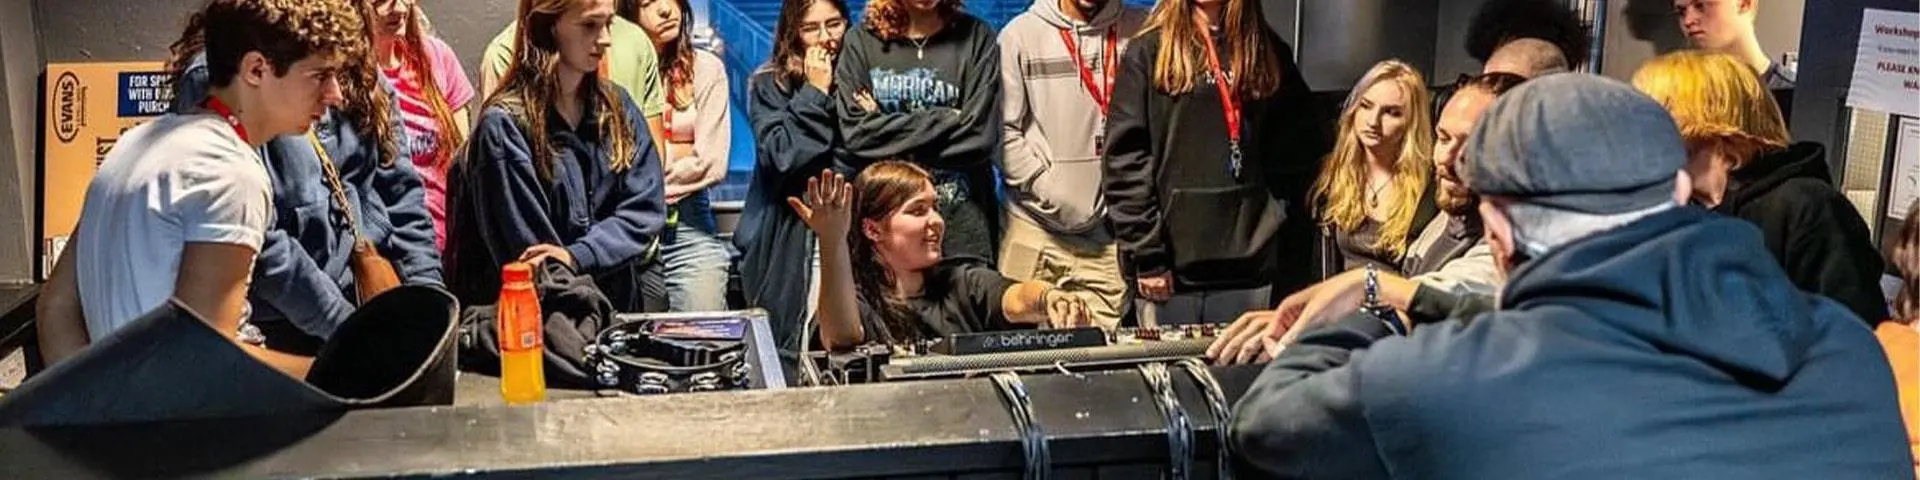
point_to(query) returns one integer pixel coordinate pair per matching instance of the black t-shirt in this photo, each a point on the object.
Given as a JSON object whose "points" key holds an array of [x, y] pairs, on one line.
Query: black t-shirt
{"points": [[961, 295]]}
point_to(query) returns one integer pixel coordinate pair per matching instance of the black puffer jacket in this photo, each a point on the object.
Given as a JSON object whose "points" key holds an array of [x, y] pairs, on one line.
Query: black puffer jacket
{"points": [[1811, 229]]}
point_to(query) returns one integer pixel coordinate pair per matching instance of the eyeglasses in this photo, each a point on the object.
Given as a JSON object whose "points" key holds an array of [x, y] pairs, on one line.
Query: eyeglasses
{"points": [[836, 25]]}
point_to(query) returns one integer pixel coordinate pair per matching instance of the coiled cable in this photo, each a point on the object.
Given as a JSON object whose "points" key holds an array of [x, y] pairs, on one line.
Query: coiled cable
{"points": [[1179, 427], [1217, 402], [1033, 439]]}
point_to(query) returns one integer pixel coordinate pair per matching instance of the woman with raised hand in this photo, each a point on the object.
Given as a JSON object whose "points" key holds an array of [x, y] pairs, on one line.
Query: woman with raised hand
{"points": [[887, 283]]}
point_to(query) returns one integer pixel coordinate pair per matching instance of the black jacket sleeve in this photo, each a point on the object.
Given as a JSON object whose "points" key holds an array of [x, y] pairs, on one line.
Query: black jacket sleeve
{"points": [[1303, 418], [873, 136], [979, 133], [1433, 305], [1830, 252], [1133, 203], [795, 131], [984, 289]]}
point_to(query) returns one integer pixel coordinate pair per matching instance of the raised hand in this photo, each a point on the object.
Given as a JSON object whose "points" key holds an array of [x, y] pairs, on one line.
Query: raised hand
{"points": [[828, 208]]}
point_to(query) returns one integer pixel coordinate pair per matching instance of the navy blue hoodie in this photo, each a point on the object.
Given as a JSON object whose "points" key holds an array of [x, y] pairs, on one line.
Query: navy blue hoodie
{"points": [[301, 274], [797, 131], [500, 205], [1672, 347]]}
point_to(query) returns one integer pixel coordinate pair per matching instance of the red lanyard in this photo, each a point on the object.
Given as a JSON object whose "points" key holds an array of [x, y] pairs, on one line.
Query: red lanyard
{"points": [[1228, 105], [214, 103], [1100, 96]]}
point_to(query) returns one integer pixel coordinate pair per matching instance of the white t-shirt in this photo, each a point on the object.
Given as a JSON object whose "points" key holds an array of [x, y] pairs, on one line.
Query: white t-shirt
{"points": [[174, 180]]}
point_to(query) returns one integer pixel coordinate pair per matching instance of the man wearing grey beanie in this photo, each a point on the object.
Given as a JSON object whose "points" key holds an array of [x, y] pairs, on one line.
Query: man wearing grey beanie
{"points": [[1634, 338]]}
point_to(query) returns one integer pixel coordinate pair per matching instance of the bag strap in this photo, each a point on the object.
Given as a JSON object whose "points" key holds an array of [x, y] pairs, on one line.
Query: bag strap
{"points": [[333, 183]]}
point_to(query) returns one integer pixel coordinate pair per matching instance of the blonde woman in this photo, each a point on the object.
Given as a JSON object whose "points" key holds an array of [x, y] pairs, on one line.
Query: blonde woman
{"points": [[1743, 166], [1372, 189]]}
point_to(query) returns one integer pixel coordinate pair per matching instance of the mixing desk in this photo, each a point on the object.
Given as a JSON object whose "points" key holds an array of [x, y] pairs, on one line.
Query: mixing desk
{"points": [[1075, 349]]}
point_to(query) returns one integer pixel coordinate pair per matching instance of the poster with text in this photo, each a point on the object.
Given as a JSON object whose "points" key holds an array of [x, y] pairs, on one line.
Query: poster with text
{"points": [[88, 106], [1886, 69], [1906, 167]]}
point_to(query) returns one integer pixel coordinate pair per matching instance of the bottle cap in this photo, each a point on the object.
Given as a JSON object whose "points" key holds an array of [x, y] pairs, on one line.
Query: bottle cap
{"points": [[516, 272]]}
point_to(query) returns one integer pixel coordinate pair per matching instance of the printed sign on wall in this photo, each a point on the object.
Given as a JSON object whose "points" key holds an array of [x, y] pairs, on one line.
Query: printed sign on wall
{"points": [[1886, 70], [88, 106]]}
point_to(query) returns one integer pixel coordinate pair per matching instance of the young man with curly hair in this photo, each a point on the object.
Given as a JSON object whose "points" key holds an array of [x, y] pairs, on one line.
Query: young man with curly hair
{"points": [[180, 205]]}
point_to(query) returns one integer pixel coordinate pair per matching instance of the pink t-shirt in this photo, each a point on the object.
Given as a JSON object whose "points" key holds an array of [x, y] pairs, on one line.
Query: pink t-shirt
{"points": [[420, 140]]}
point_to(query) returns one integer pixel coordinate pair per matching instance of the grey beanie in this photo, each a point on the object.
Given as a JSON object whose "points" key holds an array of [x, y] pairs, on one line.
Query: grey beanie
{"points": [[1576, 142]]}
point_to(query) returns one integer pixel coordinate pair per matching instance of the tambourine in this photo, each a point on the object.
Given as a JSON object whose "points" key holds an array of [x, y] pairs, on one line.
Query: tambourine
{"points": [[632, 358]]}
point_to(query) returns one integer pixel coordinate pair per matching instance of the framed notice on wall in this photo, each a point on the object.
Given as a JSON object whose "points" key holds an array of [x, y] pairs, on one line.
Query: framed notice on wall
{"points": [[87, 107]]}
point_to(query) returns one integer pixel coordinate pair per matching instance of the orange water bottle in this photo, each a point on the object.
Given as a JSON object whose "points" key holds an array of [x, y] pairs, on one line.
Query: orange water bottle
{"points": [[522, 346]]}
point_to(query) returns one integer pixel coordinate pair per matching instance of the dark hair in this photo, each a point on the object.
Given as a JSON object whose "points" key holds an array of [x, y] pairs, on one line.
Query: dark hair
{"points": [[532, 80], [879, 190], [1251, 53], [286, 31], [888, 19], [1906, 260], [676, 60], [1501, 21], [789, 49], [627, 9]]}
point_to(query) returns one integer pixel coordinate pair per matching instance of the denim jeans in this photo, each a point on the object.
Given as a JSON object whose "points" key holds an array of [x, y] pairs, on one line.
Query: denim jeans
{"points": [[690, 274]]}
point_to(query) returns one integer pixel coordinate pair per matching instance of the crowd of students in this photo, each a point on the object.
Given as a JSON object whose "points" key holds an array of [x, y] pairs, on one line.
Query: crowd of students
{"points": [[920, 174]]}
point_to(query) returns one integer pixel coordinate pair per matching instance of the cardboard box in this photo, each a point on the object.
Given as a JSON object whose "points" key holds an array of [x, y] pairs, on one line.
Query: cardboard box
{"points": [[88, 106]]}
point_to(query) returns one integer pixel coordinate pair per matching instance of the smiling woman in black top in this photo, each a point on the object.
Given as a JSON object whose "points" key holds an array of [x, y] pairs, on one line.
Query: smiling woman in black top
{"points": [[889, 274]]}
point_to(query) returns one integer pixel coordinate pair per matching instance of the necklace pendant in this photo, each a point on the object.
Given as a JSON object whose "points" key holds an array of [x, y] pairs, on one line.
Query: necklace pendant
{"points": [[920, 53]]}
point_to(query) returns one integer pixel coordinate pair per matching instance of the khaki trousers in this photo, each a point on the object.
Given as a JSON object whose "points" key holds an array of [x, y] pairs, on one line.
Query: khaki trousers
{"points": [[1085, 267]]}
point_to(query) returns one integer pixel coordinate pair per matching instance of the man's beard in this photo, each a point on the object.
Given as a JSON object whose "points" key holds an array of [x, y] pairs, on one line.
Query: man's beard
{"points": [[1456, 204]]}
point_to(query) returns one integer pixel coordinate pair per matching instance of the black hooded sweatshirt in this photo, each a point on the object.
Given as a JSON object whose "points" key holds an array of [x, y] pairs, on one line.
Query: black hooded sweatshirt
{"points": [[1173, 202], [1811, 229]]}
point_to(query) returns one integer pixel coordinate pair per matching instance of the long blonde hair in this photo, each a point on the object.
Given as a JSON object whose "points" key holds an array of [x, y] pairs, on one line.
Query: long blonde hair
{"points": [[1249, 55], [533, 79], [1718, 102], [1340, 192]]}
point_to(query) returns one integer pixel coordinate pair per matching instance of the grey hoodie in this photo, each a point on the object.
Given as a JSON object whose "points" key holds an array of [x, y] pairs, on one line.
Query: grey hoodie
{"points": [[1053, 169]]}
